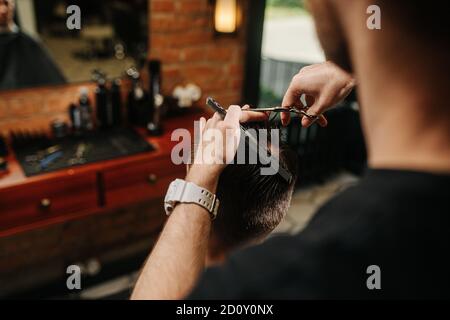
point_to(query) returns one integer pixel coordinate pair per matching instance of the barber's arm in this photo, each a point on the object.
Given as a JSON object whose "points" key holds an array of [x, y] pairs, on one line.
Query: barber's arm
{"points": [[324, 84], [178, 258]]}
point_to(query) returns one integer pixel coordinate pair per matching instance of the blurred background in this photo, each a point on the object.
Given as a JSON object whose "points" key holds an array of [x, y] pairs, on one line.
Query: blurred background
{"points": [[86, 117], [289, 43]]}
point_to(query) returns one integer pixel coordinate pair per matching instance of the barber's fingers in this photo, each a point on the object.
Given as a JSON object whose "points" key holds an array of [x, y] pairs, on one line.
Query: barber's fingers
{"points": [[213, 121], [309, 100], [322, 121], [290, 98], [252, 116], [296, 88], [315, 110], [232, 118], [202, 124], [196, 142]]}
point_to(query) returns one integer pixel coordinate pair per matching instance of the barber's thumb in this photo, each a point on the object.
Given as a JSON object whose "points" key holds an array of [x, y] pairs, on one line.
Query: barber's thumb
{"points": [[233, 115]]}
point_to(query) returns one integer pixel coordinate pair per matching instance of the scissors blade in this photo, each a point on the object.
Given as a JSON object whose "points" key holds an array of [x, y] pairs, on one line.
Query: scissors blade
{"points": [[273, 109], [302, 112]]}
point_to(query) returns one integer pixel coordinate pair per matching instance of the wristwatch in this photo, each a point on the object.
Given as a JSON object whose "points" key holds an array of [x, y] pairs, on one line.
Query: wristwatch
{"points": [[181, 191]]}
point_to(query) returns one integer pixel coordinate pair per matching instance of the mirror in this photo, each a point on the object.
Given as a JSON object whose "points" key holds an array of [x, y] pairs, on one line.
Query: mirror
{"points": [[37, 48]]}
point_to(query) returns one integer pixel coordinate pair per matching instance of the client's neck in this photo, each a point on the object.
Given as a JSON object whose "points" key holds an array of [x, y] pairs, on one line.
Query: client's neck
{"points": [[215, 257], [406, 129], [8, 28]]}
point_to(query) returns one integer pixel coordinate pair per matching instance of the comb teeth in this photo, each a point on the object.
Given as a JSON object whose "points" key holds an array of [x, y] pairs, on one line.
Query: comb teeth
{"points": [[252, 142], [216, 106]]}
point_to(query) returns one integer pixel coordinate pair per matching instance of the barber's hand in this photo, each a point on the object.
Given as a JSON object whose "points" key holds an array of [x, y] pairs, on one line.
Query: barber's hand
{"points": [[211, 157], [324, 84]]}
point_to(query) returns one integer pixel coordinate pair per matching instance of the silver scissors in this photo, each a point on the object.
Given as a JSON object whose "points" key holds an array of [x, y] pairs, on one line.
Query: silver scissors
{"points": [[300, 111]]}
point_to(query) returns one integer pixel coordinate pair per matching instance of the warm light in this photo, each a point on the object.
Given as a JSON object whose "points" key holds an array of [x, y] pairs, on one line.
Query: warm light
{"points": [[225, 16]]}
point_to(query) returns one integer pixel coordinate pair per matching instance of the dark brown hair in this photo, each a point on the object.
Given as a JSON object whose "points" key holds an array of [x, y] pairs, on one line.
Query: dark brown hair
{"points": [[251, 204]]}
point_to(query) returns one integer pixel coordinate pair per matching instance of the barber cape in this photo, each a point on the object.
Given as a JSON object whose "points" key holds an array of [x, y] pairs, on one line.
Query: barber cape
{"points": [[25, 63]]}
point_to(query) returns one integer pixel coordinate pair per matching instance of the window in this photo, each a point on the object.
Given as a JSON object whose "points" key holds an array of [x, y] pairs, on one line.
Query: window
{"points": [[289, 43]]}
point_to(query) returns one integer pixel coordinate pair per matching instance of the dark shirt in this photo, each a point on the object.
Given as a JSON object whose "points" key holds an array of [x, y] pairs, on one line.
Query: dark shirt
{"points": [[397, 220], [25, 63]]}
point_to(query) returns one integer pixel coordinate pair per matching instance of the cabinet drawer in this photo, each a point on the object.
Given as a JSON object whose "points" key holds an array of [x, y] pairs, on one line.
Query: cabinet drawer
{"points": [[38, 201], [140, 181]]}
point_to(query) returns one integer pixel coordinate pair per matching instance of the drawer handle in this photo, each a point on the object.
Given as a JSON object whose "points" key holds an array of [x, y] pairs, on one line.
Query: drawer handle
{"points": [[45, 204], [152, 178]]}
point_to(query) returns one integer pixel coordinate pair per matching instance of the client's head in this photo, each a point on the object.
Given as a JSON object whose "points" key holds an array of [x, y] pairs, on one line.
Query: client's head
{"points": [[6, 12], [251, 204]]}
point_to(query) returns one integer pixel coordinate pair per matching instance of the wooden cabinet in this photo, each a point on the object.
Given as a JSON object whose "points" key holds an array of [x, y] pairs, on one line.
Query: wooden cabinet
{"points": [[29, 203], [141, 181], [36, 201]]}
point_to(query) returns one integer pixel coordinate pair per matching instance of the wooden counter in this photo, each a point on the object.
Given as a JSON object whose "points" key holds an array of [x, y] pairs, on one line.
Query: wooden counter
{"points": [[108, 212], [34, 202]]}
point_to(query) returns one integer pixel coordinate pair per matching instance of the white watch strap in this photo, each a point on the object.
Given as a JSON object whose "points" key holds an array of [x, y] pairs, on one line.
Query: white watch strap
{"points": [[181, 191]]}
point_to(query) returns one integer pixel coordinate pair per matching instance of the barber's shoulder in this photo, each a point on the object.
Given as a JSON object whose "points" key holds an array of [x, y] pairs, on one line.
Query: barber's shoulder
{"points": [[344, 214]]}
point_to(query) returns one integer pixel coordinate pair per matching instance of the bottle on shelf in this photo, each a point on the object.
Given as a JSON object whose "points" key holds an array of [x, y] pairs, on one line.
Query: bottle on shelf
{"points": [[116, 102], [139, 111], [75, 118], [154, 126], [85, 110]]}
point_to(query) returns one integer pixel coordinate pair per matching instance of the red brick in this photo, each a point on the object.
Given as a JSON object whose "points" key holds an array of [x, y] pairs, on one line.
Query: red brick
{"points": [[3, 109], [217, 84], [168, 23], [162, 6], [236, 69], [220, 53], [171, 72], [58, 103], [37, 122], [176, 40], [23, 107], [181, 35], [168, 56], [193, 38], [193, 54], [193, 6], [160, 23], [236, 84], [204, 72], [171, 78], [200, 22], [228, 98], [158, 41]]}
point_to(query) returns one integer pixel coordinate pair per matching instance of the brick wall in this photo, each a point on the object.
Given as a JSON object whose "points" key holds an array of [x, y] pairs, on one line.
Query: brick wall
{"points": [[31, 109], [181, 35]]}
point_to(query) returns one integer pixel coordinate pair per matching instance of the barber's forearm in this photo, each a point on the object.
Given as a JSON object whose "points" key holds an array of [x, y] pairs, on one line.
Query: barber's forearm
{"points": [[173, 268], [178, 258]]}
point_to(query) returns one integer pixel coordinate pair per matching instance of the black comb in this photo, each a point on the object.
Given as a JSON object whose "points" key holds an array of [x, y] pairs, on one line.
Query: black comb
{"points": [[253, 143]]}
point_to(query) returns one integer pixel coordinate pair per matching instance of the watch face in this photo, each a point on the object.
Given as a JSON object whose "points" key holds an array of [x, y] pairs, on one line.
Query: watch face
{"points": [[169, 201], [168, 207], [171, 191]]}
